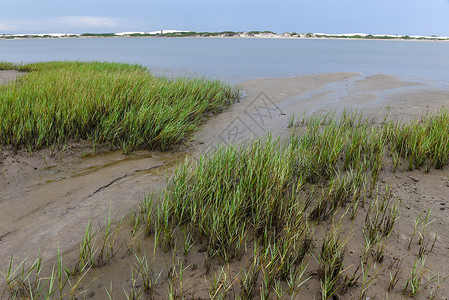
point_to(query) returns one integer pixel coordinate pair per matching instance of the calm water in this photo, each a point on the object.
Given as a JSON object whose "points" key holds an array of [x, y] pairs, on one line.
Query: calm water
{"points": [[240, 59]]}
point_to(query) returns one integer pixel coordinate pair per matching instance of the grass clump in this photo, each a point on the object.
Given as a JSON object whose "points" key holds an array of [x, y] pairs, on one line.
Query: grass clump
{"points": [[331, 259], [119, 104], [255, 194], [421, 141]]}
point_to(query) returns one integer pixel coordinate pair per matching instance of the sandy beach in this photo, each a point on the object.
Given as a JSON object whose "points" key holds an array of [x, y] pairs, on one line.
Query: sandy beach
{"points": [[48, 196]]}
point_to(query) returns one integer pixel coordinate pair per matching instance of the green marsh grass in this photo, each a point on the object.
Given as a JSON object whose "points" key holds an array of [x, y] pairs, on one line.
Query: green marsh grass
{"points": [[218, 285], [331, 260], [420, 141], [22, 282], [120, 104], [414, 283], [144, 271]]}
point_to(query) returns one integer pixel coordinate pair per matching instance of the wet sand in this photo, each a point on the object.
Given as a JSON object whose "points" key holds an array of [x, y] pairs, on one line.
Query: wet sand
{"points": [[269, 104], [47, 197]]}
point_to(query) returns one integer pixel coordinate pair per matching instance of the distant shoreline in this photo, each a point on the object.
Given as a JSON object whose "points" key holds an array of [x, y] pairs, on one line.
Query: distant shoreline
{"points": [[227, 34]]}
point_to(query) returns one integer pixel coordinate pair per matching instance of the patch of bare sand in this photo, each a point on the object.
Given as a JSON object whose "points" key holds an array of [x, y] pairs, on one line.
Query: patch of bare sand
{"points": [[264, 109], [8, 75], [54, 201]]}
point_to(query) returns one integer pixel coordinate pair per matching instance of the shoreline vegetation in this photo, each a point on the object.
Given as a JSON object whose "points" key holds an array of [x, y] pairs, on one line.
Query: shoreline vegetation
{"points": [[118, 104], [229, 34], [264, 221]]}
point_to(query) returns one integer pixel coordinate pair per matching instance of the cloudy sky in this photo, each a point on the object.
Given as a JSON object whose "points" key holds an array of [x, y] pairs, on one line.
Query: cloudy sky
{"points": [[420, 17]]}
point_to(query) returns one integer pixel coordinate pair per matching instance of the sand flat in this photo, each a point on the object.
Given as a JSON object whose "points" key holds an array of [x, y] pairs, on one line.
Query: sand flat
{"points": [[270, 102]]}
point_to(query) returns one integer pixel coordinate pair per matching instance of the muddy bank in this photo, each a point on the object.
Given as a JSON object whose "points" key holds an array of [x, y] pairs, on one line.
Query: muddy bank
{"points": [[47, 197]]}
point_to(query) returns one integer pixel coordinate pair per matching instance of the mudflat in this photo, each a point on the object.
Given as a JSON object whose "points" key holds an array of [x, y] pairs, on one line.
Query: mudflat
{"points": [[269, 104]]}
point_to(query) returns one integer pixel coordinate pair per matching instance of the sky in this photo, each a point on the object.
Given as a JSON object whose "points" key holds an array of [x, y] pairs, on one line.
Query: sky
{"points": [[405, 17]]}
